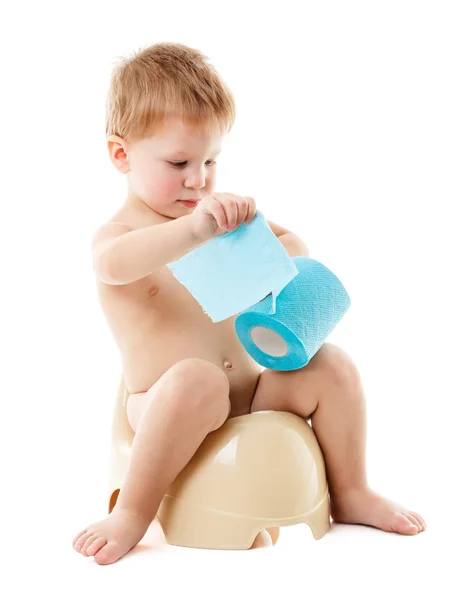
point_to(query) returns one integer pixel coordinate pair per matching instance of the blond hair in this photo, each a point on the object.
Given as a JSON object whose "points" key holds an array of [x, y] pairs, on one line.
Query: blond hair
{"points": [[166, 80]]}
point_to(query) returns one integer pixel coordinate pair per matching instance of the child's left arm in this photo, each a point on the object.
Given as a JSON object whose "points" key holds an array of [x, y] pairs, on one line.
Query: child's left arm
{"points": [[290, 241]]}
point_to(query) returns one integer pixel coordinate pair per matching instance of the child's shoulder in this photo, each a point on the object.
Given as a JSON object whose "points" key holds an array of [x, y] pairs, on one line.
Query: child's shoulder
{"points": [[120, 223], [109, 231]]}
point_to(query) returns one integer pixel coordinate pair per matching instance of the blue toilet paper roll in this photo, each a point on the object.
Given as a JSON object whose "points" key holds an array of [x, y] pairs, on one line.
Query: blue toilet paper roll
{"points": [[307, 310]]}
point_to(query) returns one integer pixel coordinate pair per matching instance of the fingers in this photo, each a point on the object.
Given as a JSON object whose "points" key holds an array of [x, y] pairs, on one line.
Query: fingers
{"points": [[237, 210], [243, 210], [215, 207], [252, 209]]}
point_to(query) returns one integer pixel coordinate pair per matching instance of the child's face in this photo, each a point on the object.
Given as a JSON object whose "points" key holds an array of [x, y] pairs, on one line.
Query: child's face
{"points": [[154, 179]]}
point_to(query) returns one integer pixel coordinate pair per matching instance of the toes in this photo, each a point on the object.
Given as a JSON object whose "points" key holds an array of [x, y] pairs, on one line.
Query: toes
{"points": [[95, 546], [108, 554], [403, 524], [78, 536], [420, 520], [88, 542], [81, 541], [414, 520]]}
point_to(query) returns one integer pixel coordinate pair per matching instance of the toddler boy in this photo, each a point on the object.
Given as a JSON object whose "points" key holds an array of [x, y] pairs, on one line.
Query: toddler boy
{"points": [[167, 114]]}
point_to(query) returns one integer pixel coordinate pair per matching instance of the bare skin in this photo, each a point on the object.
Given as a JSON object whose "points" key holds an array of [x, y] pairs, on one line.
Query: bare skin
{"points": [[327, 390], [180, 413], [176, 360]]}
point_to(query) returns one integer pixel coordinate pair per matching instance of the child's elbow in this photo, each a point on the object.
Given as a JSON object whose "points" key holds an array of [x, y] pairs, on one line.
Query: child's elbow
{"points": [[293, 245], [304, 249], [104, 268]]}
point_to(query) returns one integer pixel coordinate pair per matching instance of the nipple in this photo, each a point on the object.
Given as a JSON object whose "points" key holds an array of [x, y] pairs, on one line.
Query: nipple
{"points": [[227, 364]]}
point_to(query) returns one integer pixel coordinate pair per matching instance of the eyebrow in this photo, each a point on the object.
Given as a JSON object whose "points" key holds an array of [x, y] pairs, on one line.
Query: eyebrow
{"points": [[183, 153]]}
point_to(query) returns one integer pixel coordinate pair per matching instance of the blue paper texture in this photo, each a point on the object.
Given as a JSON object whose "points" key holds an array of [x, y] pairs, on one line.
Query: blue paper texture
{"points": [[307, 310], [236, 270]]}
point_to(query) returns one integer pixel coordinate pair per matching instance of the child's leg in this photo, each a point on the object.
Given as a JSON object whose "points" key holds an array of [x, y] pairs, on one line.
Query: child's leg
{"points": [[188, 402], [329, 392]]}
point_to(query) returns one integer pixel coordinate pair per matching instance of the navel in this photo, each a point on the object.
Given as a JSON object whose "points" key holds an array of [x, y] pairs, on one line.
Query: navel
{"points": [[153, 290], [227, 364]]}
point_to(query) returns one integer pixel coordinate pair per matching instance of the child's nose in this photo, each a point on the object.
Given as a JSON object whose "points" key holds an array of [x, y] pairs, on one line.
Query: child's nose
{"points": [[196, 180]]}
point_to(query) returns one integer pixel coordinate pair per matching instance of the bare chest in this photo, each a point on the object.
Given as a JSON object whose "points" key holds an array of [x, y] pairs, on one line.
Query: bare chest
{"points": [[156, 322]]}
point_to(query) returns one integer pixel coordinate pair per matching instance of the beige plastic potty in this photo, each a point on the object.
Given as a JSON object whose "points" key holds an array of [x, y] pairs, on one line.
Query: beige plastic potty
{"points": [[255, 472]]}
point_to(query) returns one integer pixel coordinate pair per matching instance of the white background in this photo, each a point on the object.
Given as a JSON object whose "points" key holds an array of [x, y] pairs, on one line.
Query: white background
{"points": [[345, 136]]}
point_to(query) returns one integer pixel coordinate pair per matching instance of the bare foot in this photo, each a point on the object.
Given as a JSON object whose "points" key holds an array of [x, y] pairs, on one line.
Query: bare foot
{"points": [[112, 538], [364, 507], [274, 534]]}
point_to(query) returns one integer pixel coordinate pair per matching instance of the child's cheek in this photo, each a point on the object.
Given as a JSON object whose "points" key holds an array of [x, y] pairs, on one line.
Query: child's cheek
{"points": [[170, 188]]}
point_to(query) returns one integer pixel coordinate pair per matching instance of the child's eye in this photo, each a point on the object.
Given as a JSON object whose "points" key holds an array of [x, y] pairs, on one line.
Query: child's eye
{"points": [[184, 163]]}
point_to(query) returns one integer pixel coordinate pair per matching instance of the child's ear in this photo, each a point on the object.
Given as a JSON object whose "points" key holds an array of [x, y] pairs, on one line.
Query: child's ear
{"points": [[118, 153]]}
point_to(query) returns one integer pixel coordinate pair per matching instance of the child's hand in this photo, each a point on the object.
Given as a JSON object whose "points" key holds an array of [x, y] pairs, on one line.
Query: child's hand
{"points": [[220, 213]]}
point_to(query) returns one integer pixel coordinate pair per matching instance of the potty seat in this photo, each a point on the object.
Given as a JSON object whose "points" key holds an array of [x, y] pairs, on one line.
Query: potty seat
{"points": [[257, 471]]}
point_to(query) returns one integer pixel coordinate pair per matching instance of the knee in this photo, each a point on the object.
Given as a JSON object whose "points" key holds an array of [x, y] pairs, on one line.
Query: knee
{"points": [[339, 368], [201, 376], [201, 386]]}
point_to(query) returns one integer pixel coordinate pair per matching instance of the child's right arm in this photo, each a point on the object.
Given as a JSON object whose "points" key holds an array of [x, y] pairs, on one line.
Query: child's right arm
{"points": [[122, 255]]}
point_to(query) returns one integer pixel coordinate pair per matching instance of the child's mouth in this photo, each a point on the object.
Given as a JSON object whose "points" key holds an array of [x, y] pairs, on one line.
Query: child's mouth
{"points": [[189, 203]]}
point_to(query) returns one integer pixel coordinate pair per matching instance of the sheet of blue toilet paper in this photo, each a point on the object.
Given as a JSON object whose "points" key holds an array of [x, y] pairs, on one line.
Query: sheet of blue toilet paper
{"points": [[233, 271]]}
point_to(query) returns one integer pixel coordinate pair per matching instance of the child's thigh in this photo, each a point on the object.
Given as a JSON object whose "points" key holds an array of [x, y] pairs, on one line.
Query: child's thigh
{"points": [[136, 406], [196, 379]]}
